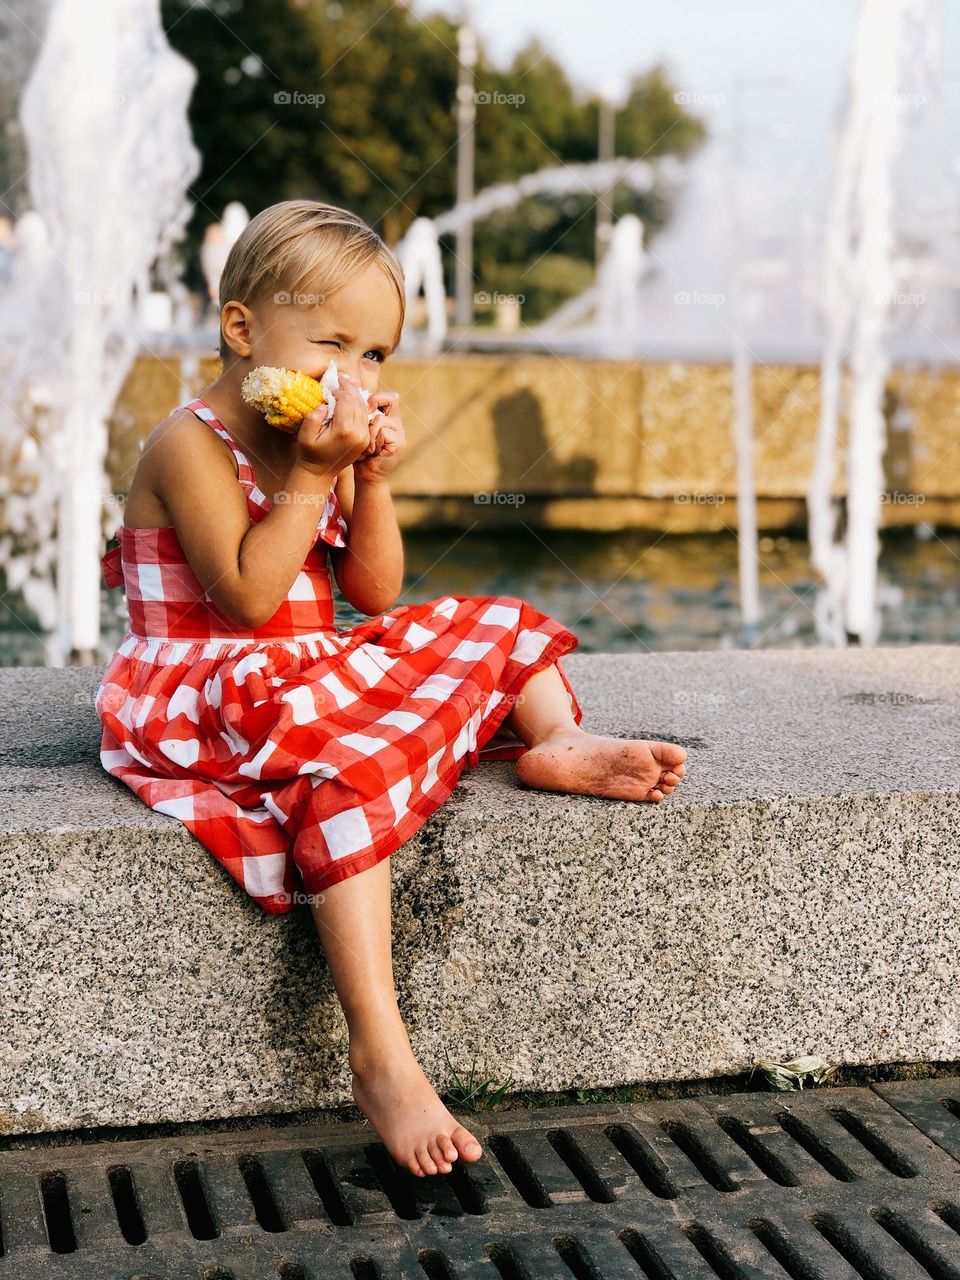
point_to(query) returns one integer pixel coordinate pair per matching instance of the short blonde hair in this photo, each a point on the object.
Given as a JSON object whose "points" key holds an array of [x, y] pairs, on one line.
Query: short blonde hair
{"points": [[296, 242]]}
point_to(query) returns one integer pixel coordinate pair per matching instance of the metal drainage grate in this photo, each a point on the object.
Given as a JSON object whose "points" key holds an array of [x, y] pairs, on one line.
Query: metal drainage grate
{"points": [[832, 1185]]}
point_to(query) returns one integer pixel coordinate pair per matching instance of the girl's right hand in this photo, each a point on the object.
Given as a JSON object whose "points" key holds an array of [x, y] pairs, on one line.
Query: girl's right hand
{"points": [[329, 447]]}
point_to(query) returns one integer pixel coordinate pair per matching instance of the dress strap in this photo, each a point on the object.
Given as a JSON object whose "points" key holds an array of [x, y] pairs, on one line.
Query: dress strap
{"points": [[245, 472], [331, 527]]}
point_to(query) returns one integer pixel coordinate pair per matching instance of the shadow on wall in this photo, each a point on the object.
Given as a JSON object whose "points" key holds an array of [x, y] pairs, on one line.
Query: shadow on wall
{"points": [[526, 462]]}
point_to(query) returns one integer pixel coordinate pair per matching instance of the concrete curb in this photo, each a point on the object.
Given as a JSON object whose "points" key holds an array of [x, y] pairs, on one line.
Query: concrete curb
{"points": [[799, 894]]}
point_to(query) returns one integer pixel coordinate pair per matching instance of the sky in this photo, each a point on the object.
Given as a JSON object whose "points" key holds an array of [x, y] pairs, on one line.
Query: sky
{"points": [[717, 50], [706, 43]]}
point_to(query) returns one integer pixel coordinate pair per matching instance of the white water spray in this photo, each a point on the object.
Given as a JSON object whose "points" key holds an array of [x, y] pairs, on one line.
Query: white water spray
{"points": [[859, 285], [419, 255], [105, 120]]}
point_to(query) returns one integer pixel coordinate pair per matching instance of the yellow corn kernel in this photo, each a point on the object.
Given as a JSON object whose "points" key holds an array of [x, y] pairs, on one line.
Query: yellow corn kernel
{"points": [[283, 396]]}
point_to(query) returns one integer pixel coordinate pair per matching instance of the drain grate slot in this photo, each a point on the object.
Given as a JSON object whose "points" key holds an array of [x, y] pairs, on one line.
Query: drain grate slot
{"points": [[817, 1147], [576, 1258], [190, 1185], [651, 1171], [56, 1212], [434, 1265], [261, 1197], [691, 1145], [290, 1271], [948, 1213], [505, 1259], [519, 1172], [874, 1143], [124, 1192], [327, 1188], [799, 1249], [925, 1238], [571, 1151], [397, 1183], [365, 1269], [834, 1184], [765, 1160]]}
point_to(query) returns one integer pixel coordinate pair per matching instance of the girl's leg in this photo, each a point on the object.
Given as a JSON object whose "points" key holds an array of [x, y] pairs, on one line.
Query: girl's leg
{"points": [[543, 708], [353, 921], [564, 757]]}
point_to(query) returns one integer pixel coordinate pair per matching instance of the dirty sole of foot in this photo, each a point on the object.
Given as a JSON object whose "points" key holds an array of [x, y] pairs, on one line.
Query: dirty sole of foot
{"points": [[833, 1184]]}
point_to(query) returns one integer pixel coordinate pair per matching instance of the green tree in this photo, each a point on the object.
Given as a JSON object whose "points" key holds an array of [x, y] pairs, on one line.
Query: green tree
{"points": [[356, 105]]}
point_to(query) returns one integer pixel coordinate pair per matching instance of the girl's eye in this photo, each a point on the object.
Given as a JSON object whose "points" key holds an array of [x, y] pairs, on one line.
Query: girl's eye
{"points": [[330, 342], [375, 355]]}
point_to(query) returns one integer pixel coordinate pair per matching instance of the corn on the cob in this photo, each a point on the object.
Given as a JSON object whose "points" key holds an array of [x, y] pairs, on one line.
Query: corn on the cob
{"points": [[283, 396]]}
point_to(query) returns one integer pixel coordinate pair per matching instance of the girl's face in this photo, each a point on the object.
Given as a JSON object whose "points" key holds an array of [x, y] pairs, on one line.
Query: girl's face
{"points": [[355, 327]]}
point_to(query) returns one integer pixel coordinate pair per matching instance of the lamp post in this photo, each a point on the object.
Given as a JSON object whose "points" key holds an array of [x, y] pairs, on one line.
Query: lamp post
{"points": [[606, 147], [742, 362], [466, 119]]}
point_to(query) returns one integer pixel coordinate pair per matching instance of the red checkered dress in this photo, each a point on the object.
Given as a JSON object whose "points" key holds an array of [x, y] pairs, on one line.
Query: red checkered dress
{"points": [[296, 754]]}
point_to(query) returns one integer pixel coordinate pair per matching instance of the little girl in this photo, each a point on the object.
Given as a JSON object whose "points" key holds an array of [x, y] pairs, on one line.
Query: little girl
{"points": [[302, 757]]}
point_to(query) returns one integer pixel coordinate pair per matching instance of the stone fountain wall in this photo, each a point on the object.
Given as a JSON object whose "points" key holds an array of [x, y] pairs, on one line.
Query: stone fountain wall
{"points": [[559, 442]]}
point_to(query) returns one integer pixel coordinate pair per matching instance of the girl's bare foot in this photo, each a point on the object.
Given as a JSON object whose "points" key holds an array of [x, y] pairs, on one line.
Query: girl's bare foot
{"points": [[593, 765], [391, 1090]]}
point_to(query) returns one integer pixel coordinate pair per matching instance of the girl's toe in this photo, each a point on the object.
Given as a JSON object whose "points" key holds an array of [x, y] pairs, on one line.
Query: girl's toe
{"points": [[426, 1161], [437, 1156], [468, 1144], [655, 794], [670, 778]]}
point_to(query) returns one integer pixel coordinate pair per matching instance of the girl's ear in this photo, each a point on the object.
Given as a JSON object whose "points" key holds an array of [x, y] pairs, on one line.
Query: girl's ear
{"points": [[235, 326]]}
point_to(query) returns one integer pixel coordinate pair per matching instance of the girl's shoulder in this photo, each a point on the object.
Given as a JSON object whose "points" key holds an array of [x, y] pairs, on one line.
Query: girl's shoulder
{"points": [[176, 450], [182, 425]]}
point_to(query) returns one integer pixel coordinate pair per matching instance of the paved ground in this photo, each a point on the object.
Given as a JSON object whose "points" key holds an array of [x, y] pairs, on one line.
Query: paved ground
{"points": [[832, 1184]]}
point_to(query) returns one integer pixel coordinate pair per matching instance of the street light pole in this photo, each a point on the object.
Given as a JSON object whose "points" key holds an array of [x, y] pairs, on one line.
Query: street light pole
{"points": [[466, 119], [606, 125]]}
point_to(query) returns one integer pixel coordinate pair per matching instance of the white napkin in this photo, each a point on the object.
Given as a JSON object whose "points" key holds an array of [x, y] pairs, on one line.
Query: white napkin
{"points": [[331, 383]]}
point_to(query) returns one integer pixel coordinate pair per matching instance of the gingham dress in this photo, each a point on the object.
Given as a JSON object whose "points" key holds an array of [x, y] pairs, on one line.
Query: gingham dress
{"points": [[296, 754]]}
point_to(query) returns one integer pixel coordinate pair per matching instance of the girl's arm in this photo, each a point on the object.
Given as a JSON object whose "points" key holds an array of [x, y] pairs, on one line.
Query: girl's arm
{"points": [[246, 570], [369, 570]]}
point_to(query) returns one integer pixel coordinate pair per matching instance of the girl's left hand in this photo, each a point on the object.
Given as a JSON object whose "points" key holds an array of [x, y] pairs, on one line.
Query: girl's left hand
{"points": [[387, 439]]}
